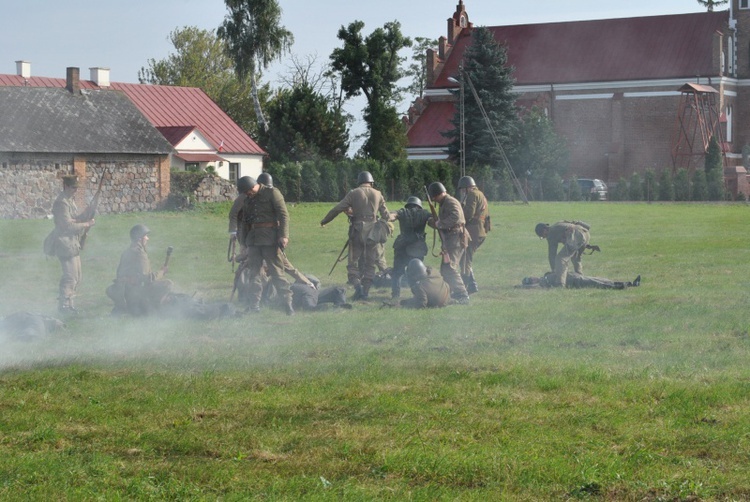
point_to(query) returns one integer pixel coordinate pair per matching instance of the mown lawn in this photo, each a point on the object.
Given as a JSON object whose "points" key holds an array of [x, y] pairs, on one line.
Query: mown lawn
{"points": [[642, 394]]}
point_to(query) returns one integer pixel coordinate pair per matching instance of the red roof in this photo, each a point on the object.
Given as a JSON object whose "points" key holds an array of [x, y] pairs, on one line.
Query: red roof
{"points": [[434, 119], [169, 106], [637, 48]]}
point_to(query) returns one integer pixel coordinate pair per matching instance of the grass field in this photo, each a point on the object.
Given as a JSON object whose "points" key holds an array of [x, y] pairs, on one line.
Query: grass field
{"points": [[641, 394]]}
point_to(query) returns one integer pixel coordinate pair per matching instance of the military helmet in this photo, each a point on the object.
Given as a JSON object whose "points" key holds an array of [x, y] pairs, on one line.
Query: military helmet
{"points": [[138, 231], [540, 228], [414, 201], [70, 181], [265, 179], [416, 270], [435, 189], [365, 177], [245, 184], [466, 182]]}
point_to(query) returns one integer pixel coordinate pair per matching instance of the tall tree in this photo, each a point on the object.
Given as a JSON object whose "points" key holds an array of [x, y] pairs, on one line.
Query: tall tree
{"points": [[254, 40], [417, 70], [372, 66], [485, 62], [200, 60], [711, 4]]}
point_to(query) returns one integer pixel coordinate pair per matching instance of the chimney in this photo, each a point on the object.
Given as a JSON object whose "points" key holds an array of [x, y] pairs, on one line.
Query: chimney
{"points": [[73, 82], [100, 76], [23, 69]]}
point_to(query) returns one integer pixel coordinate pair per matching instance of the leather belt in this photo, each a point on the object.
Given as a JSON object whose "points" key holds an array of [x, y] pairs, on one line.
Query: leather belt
{"points": [[265, 224]]}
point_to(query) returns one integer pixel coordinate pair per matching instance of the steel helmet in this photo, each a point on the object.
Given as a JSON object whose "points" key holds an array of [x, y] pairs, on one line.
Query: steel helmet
{"points": [[416, 270], [435, 189], [466, 182], [414, 201], [540, 228], [365, 177], [245, 184], [138, 231], [265, 179]]}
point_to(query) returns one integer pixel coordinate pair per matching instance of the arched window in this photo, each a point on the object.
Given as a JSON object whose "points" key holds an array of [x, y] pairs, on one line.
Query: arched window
{"points": [[729, 124], [730, 56]]}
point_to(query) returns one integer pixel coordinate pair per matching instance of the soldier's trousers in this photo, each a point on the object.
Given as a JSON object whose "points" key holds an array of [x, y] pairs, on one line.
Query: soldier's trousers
{"points": [[358, 250], [453, 249], [71, 277], [275, 267]]}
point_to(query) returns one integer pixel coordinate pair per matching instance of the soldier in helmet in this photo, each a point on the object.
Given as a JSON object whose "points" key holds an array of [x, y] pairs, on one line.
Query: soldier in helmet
{"points": [[66, 241], [136, 289], [265, 234], [265, 179], [411, 241], [365, 202], [574, 237], [451, 226], [427, 286], [476, 212], [578, 281]]}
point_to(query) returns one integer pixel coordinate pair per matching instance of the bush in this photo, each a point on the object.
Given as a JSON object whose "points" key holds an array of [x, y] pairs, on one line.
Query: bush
{"points": [[635, 188], [682, 185], [699, 190], [666, 185], [650, 188]]}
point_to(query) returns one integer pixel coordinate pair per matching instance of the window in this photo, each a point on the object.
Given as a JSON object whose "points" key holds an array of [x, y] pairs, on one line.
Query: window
{"points": [[729, 124], [234, 171], [743, 4], [730, 56], [192, 167]]}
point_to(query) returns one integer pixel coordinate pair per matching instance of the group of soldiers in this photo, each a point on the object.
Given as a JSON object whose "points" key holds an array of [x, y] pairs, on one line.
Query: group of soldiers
{"points": [[259, 223]]}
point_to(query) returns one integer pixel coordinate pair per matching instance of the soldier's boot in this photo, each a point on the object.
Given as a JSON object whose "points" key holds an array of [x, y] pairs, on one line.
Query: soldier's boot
{"points": [[65, 306], [365, 291], [288, 308], [470, 283], [621, 285], [636, 282], [395, 288]]}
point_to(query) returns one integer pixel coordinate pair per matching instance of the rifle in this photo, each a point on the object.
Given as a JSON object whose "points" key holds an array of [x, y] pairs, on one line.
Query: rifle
{"points": [[166, 260], [90, 211], [339, 259], [445, 257], [231, 250]]}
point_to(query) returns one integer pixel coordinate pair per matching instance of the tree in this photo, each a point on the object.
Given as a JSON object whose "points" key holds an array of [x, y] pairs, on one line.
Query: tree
{"points": [[538, 152], [371, 66], [200, 60], [682, 185], [304, 126], [486, 64], [711, 4], [417, 70], [713, 158], [666, 185], [254, 40]]}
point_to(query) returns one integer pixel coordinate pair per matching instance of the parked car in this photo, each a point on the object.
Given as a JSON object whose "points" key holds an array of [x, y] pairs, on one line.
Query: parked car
{"points": [[593, 189]]}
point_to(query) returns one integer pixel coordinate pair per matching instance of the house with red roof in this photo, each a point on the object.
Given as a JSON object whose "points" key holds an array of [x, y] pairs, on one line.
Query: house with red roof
{"points": [[200, 132], [627, 94]]}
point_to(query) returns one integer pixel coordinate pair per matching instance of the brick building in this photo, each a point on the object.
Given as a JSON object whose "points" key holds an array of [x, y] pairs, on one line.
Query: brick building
{"points": [[622, 92]]}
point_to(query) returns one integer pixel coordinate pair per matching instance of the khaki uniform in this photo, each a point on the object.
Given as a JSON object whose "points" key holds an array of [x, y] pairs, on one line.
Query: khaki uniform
{"points": [[136, 289], [432, 291], [451, 224], [265, 222], [365, 202], [69, 227], [574, 239], [476, 211]]}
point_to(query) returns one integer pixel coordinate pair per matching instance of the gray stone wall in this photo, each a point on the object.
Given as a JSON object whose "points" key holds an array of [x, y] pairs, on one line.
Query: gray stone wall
{"points": [[29, 184], [215, 189]]}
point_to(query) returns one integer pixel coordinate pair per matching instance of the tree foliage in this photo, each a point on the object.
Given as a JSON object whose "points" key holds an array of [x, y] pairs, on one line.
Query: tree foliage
{"points": [[710, 5], [254, 39], [417, 70], [371, 66], [200, 60], [486, 64]]}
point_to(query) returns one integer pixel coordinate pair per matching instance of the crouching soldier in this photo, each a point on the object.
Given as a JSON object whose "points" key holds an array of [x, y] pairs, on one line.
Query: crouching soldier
{"points": [[137, 290], [427, 286]]}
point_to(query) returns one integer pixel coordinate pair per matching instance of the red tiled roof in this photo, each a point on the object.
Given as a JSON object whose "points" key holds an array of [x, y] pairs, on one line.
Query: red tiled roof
{"points": [[434, 119], [168, 106], [638, 48]]}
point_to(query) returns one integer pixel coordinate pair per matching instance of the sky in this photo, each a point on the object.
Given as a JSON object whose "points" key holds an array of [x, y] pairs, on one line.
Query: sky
{"points": [[123, 35]]}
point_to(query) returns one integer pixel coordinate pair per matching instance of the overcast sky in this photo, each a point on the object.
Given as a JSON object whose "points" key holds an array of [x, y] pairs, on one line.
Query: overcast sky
{"points": [[124, 34]]}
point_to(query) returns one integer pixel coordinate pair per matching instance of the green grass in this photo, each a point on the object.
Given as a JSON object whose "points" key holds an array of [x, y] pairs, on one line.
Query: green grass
{"points": [[642, 394]]}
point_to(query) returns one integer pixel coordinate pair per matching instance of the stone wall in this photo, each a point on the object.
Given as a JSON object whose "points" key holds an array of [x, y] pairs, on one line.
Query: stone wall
{"points": [[29, 184], [215, 189]]}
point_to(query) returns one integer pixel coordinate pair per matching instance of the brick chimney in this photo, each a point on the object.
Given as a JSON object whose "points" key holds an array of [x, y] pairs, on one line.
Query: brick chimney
{"points": [[100, 76], [23, 69], [73, 81]]}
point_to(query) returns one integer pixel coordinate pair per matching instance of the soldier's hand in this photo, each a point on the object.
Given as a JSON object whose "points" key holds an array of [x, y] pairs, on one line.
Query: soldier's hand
{"points": [[283, 242], [91, 222]]}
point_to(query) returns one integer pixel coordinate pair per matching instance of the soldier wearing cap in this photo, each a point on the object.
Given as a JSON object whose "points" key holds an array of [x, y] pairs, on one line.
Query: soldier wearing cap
{"points": [[574, 237], [265, 234], [137, 290], [411, 241], [427, 286], [476, 212], [365, 202], [451, 226], [69, 227]]}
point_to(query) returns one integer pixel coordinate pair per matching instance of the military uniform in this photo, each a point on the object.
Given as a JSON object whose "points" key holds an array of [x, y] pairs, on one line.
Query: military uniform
{"points": [[136, 289], [265, 223], [365, 203], [574, 238], [69, 227], [451, 225], [476, 211], [430, 291], [579, 281], [410, 243]]}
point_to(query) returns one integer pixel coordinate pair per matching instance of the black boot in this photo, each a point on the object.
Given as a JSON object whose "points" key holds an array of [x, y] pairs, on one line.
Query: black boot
{"points": [[470, 283], [637, 281]]}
